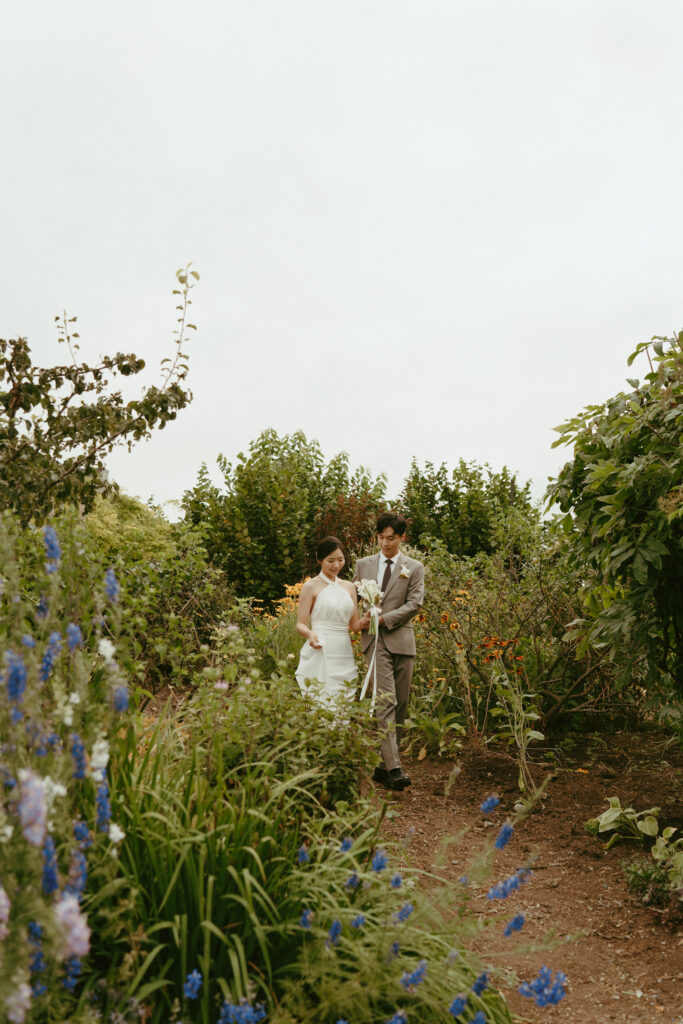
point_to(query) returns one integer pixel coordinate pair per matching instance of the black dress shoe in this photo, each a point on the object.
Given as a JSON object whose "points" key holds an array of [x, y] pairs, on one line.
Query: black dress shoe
{"points": [[381, 775], [398, 779]]}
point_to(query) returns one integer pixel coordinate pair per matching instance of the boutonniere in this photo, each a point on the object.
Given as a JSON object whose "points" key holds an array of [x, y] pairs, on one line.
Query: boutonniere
{"points": [[404, 573]]}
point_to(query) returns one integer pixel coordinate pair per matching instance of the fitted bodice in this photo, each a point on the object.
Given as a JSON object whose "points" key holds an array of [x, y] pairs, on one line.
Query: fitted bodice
{"points": [[333, 608]]}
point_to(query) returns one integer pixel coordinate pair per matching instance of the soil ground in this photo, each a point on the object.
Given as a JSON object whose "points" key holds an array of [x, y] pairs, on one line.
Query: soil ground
{"points": [[624, 964]]}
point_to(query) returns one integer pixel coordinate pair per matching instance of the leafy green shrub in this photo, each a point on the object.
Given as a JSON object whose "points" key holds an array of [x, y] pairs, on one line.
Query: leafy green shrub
{"points": [[658, 880], [276, 503]]}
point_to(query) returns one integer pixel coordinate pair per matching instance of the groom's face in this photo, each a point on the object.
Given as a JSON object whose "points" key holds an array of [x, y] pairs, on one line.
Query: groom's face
{"points": [[389, 542]]}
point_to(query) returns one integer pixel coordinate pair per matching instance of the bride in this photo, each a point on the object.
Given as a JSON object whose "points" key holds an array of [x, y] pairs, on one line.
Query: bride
{"points": [[328, 610]]}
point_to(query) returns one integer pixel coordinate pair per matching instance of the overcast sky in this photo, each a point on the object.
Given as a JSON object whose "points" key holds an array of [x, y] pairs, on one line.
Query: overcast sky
{"points": [[432, 229]]}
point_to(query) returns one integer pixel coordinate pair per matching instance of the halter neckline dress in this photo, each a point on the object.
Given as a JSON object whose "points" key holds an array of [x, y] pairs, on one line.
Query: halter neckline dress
{"points": [[333, 666]]}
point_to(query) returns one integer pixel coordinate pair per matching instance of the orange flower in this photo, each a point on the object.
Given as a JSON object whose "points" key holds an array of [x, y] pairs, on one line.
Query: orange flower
{"points": [[444, 617]]}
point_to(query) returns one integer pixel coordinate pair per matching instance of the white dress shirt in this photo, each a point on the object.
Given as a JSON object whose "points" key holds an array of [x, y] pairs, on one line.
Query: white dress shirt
{"points": [[382, 564]]}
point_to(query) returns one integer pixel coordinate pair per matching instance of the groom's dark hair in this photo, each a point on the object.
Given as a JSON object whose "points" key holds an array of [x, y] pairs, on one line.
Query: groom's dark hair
{"points": [[395, 520]]}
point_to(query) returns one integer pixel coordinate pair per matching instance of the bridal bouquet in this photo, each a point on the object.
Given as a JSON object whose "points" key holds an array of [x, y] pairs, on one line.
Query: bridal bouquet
{"points": [[371, 596]]}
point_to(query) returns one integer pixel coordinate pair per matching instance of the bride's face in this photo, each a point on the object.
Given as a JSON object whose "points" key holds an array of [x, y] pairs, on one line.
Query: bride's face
{"points": [[333, 563]]}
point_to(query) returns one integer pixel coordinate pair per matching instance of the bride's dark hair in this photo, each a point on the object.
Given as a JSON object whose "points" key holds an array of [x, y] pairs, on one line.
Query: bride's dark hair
{"points": [[326, 546]]}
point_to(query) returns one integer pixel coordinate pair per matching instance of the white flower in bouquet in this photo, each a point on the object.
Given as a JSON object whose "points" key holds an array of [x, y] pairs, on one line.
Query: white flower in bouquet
{"points": [[371, 596]]}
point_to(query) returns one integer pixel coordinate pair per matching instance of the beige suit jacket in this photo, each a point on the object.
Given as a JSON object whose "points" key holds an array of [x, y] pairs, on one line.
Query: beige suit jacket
{"points": [[402, 601]]}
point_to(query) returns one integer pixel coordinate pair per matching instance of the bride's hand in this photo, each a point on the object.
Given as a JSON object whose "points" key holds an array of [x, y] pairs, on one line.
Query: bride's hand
{"points": [[315, 642]]}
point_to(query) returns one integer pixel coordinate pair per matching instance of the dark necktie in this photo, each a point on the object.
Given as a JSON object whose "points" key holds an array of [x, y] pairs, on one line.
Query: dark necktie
{"points": [[387, 576]]}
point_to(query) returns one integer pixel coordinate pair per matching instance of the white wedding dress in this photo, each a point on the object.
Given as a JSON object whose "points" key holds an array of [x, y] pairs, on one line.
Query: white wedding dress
{"points": [[333, 665]]}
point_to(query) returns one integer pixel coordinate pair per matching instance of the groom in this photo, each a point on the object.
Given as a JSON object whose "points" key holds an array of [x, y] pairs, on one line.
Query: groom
{"points": [[402, 581]]}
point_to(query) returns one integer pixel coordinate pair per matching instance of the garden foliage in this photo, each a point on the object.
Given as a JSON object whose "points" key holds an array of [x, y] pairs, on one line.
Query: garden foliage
{"points": [[275, 504], [58, 424], [622, 499]]}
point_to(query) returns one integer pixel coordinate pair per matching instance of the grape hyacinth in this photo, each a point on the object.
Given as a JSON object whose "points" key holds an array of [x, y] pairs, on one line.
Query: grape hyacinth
{"points": [[16, 677], [398, 1018], [103, 806], [501, 890], [379, 861], [411, 979], [192, 985], [396, 882], [82, 834], [404, 913], [302, 856], [514, 925], [28, 641], [52, 549], [121, 699], [42, 608], [352, 882], [50, 874], [111, 586], [53, 649], [74, 636], [78, 875], [544, 990], [489, 804], [346, 845], [72, 971], [241, 1013], [334, 933], [306, 918], [504, 836], [458, 1006], [358, 921], [481, 983], [79, 756]]}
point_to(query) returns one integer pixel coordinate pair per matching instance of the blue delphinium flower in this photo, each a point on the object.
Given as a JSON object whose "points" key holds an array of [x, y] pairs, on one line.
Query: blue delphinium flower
{"points": [[544, 990], [242, 1013], [302, 855], [306, 918], [379, 861], [352, 882], [52, 549], [396, 882], [501, 890], [192, 985], [514, 925], [411, 979], [458, 1006], [346, 844], [78, 875], [37, 963], [334, 933], [103, 806], [398, 1018], [404, 913], [74, 636], [82, 834], [15, 679], [28, 641], [489, 804], [53, 649], [78, 755], [111, 586], [481, 983], [72, 971], [504, 836], [42, 608], [358, 921], [121, 699], [50, 876]]}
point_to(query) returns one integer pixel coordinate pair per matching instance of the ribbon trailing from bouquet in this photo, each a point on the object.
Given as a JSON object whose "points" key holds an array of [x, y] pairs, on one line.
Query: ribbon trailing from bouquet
{"points": [[375, 613]]}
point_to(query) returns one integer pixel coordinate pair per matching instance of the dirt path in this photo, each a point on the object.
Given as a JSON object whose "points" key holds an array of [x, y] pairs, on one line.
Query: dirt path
{"points": [[625, 966]]}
